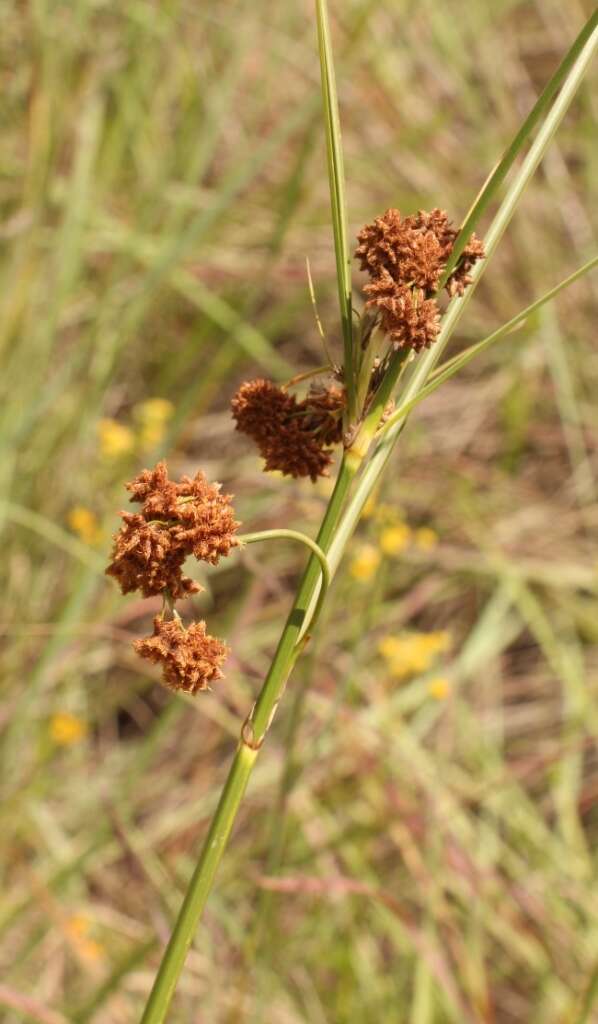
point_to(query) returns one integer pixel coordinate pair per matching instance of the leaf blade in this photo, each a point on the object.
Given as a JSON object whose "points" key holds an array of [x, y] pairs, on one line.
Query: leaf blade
{"points": [[336, 181]]}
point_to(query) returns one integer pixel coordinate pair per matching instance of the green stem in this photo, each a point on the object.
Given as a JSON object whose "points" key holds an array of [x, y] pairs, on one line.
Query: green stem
{"points": [[371, 423], [200, 884], [253, 538], [252, 737], [278, 828], [299, 618]]}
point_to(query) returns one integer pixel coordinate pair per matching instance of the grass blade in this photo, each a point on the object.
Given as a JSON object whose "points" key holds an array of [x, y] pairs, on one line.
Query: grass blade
{"points": [[501, 170], [336, 178], [452, 366]]}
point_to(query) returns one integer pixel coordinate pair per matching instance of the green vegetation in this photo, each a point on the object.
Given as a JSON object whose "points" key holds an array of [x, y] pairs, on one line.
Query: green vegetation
{"points": [[434, 802]]}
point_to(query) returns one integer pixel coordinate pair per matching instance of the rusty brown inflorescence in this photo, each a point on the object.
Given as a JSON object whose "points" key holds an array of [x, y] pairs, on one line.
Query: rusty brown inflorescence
{"points": [[191, 517], [292, 436], [145, 558], [409, 319], [405, 258], [190, 658], [176, 519]]}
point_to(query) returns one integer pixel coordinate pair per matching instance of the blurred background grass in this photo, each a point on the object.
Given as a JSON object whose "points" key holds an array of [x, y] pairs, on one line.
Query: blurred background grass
{"points": [[162, 180]]}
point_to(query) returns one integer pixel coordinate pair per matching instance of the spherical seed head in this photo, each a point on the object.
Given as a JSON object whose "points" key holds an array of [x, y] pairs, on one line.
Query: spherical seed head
{"points": [[291, 436], [297, 454], [190, 658], [176, 520], [259, 407]]}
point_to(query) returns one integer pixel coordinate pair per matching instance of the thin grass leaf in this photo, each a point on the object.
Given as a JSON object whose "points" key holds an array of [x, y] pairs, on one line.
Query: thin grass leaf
{"points": [[336, 179], [501, 170], [452, 366]]}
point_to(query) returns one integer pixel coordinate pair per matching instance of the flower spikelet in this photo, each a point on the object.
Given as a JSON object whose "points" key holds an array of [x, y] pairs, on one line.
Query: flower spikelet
{"points": [[438, 223], [460, 277], [145, 558], [205, 519], [324, 408], [380, 244], [154, 491], [408, 249], [260, 407], [190, 658], [435, 222], [409, 319], [415, 249], [290, 435]]}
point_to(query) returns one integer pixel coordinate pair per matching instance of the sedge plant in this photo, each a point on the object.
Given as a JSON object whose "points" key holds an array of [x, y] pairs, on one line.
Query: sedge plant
{"points": [[390, 353]]}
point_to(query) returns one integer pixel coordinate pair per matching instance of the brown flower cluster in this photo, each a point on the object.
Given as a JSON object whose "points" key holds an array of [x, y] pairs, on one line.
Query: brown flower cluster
{"points": [[146, 558], [405, 258], [190, 658], [292, 436], [191, 517], [409, 319], [176, 519]]}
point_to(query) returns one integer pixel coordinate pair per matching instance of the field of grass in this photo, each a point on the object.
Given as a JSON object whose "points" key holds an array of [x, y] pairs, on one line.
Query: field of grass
{"points": [[418, 842]]}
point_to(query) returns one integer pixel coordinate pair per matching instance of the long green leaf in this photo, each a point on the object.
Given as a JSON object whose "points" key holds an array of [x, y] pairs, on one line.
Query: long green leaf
{"points": [[336, 179], [501, 170]]}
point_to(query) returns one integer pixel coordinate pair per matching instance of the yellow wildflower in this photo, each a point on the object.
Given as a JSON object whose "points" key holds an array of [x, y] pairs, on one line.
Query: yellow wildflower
{"points": [[439, 688], [439, 642], [77, 928], [154, 410], [115, 439], [425, 538], [66, 729], [84, 523], [365, 563], [412, 653], [152, 416], [389, 646], [91, 950], [395, 539]]}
